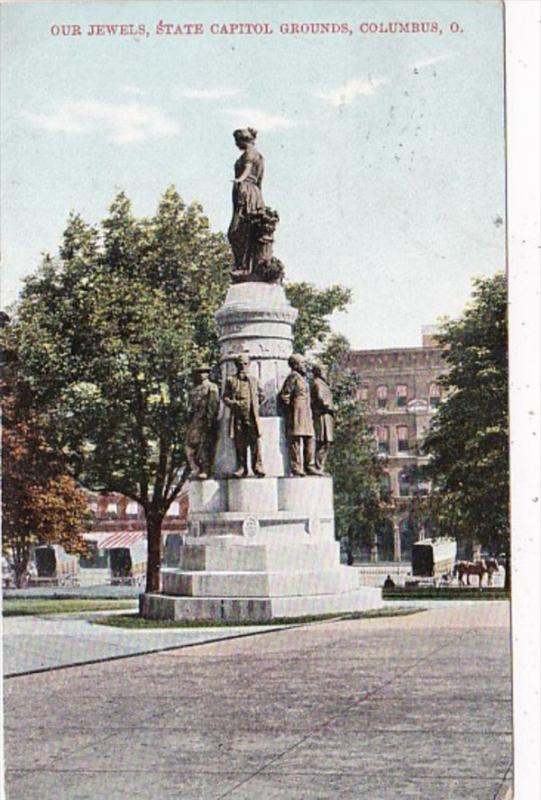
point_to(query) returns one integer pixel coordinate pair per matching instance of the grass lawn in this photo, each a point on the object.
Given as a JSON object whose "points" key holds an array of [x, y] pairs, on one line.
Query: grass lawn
{"points": [[25, 608], [134, 621]]}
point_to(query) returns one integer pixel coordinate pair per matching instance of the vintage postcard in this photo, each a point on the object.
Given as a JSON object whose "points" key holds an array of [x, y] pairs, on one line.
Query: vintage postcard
{"points": [[256, 483]]}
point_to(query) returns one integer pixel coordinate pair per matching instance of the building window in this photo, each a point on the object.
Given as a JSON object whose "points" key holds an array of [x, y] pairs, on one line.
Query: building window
{"points": [[362, 394], [385, 486], [132, 508], [382, 395], [404, 483], [402, 437], [174, 509], [434, 395], [401, 396], [382, 435]]}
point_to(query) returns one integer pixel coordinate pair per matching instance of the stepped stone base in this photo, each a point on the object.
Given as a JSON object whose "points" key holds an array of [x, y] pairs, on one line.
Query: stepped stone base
{"points": [[259, 549], [250, 609]]}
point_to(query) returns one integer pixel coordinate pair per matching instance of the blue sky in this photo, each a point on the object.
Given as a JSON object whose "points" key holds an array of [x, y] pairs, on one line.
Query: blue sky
{"points": [[384, 152]]}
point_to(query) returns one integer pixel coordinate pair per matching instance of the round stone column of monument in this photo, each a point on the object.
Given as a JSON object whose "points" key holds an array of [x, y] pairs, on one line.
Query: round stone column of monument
{"points": [[256, 318]]}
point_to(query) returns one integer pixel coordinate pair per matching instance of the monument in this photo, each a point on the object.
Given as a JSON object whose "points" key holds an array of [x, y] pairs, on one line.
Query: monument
{"points": [[261, 541]]}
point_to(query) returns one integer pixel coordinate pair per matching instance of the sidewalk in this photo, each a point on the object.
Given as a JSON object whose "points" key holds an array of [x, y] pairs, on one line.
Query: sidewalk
{"points": [[38, 643], [409, 707]]}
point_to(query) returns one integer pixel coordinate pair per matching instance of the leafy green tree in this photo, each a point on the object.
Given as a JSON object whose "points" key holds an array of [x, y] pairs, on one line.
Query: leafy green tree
{"points": [[469, 438], [108, 332], [314, 306]]}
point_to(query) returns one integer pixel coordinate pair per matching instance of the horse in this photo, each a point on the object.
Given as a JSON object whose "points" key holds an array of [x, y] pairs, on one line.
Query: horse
{"points": [[492, 567], [480, 568]]}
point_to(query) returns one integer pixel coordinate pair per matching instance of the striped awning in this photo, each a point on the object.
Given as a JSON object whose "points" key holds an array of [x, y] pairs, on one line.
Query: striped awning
{"points": [[121, 539]]}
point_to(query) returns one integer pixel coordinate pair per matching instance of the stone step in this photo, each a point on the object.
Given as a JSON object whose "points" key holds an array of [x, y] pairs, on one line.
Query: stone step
{"points": [[259, 557], [259, 584], [247, 609]]}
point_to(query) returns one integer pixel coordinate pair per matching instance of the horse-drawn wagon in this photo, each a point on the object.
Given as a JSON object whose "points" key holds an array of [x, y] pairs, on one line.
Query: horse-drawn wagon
{"points": [[432, 559], [54, 567]]}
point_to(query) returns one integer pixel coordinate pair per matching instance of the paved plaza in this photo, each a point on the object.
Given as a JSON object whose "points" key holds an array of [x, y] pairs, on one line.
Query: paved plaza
{"points": [[408, 707]]}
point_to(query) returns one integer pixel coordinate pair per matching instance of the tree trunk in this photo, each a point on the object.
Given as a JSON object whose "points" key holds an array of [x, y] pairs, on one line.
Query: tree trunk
{"points": [[154, 535], [21, 559], [21, 576]]}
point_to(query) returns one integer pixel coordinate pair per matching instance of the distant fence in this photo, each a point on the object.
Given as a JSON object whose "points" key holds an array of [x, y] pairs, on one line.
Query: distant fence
{"points": [[375, 573]]}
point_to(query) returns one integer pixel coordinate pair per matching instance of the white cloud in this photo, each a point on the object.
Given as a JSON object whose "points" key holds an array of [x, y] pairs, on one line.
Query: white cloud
{"points": [[430, 61], [346, 94], [208, 94], [121, 123], [261, 120]]}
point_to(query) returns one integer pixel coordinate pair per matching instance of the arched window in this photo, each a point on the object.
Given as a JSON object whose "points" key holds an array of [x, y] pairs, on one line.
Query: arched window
{"points": [[132, 508], [402, 435], [112, 509], [434, 395], [382, 435], [382, 396], [401, 395], [362, 394]]}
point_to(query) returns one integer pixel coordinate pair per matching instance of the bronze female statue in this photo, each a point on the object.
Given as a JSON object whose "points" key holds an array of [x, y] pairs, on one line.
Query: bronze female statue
{"points": [[248, 201]]}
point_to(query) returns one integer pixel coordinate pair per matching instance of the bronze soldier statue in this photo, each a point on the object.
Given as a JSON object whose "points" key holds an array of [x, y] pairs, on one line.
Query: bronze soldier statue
{"points": [[242, 394], [323, 412], [295, 397], [202, 431]]}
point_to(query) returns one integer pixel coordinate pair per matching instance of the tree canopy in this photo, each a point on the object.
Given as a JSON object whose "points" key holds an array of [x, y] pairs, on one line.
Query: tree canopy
{"points": [[315, 306], [469, 438], [107, 333]]}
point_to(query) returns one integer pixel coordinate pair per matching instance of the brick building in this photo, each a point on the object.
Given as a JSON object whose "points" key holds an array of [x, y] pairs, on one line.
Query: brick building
{"points": [[401, 392], [118, 522]]}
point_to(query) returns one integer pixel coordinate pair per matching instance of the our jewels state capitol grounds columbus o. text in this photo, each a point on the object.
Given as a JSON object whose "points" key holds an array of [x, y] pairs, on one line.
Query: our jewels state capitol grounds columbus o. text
{"points": [[180, 29]]}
